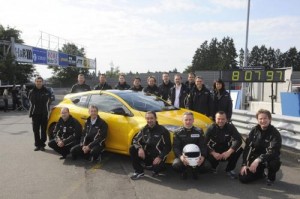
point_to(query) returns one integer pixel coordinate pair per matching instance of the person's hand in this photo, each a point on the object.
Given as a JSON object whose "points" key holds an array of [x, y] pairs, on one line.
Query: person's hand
{"points": [[200, 160], [216, 155], [141, 153], [243, 170], [227, 154], [60, 143], [86, 149], [184, 160], [156, 161], [254, 165]]}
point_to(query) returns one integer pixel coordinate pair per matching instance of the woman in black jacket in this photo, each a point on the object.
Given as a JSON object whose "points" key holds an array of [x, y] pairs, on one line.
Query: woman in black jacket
{"points": [[221, 99]]}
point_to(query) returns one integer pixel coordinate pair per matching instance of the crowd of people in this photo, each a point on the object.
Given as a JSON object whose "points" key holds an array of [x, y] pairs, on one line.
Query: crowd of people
{"points": [[152, 144]]}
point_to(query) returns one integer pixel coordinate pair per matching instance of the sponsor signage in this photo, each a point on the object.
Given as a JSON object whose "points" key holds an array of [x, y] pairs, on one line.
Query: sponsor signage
{"points": [[23, 53], [39, 56], [52, 57], [79, 62], [63, 59], [72, 60]]}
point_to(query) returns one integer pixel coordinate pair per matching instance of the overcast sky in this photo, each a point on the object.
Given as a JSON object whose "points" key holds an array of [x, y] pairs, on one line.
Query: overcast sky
{"points": [[156, 35]]}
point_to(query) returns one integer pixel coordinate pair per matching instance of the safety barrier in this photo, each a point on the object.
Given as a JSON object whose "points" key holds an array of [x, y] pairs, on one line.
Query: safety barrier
{"points": [[289, 127]]}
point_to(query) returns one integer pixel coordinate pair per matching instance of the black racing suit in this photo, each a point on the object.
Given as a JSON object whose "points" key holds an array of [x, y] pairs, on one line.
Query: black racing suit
{"points": [[104, 86], [151, 90], [222, 139], [264, 145], [201, 101], [134, 88], [182, 137], [76, 88], [155, 142], [94, 136], [123, 86], [39, 109], [164, 90], [69, 132]]}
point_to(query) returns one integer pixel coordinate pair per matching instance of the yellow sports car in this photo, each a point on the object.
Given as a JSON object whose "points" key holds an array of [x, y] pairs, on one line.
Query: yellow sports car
{"points": [[124, 112]]}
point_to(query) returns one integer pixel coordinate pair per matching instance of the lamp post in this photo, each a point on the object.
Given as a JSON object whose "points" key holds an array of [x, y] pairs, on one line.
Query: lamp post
{"points": [[245, 85]]}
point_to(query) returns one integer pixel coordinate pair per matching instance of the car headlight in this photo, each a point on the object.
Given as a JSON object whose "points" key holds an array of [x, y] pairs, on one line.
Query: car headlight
{"points": [[171, 128]]}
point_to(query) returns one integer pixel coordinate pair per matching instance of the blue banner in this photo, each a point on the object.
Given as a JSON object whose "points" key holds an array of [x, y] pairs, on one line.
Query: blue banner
{"points": [[39, 55], [63, 59]]}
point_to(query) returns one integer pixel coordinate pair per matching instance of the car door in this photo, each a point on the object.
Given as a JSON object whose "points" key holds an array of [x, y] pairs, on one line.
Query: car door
{"points": [[120, 126]]}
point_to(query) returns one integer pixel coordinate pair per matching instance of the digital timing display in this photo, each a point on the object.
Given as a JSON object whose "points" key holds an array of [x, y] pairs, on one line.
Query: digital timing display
{"points": [[275, 75]]}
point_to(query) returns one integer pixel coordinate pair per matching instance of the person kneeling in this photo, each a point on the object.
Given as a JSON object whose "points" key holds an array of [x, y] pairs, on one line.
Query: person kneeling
{"points": [[189, 147], [150, 146], [93, 139], [67, 133], [262, 151]]}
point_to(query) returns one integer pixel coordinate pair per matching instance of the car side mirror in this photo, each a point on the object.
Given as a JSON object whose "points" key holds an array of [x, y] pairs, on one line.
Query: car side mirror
{"points": [[75, 101], [119, 111]]}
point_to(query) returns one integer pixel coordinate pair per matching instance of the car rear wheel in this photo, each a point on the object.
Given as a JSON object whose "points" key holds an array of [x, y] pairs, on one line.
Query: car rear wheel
{"points": [[50, 131]]}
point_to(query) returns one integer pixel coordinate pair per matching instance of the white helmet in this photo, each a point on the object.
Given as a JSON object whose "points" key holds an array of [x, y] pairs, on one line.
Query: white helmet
{"points": [[193, 153]]}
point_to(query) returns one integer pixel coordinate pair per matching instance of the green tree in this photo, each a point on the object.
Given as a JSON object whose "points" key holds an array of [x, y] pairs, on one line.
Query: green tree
{"points": [[241, 57], [11, 71], [228, 54], [66, 76]]}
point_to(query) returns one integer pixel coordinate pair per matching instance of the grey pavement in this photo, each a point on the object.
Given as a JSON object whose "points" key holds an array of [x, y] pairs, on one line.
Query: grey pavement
{"points": [[29, 174]]}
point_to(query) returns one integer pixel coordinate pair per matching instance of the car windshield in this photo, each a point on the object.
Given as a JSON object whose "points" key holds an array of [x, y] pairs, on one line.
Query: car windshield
{"points": [[143, 102]]}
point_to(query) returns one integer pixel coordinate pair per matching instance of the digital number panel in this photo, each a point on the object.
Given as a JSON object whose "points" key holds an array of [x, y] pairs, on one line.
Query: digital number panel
{"points": [[276, 75]]}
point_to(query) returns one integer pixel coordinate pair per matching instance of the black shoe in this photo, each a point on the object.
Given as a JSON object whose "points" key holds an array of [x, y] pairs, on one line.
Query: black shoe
{"points": [[155, 174], [195, 175], [270, 182], [95, 160], [232, 174], [62, 157], [136, 175], [183, 175], [36, 148], [42, 148]]}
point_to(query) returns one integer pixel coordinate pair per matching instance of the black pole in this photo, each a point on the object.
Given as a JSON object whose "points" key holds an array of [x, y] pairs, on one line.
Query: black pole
{"points": [[272, 97]]}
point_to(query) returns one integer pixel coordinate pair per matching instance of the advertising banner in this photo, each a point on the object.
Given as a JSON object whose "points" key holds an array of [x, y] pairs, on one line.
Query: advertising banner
{"points": [[72, 60], [23, 53], [79, 62], [92, 63], [52, 57], [63, 59], [39, 56]]}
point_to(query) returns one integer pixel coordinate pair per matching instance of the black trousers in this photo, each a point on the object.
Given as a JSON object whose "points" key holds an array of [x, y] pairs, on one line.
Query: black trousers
{"points": [[273, 166], [39, 125], [232, 160], [137, 161], [5, 104], [95, 152], [64, 151], [178, 166]]}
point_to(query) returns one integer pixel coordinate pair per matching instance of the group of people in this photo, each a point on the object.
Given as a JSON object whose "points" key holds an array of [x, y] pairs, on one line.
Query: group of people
{"points": [[193, 94], [222, 142], [151, 146], [19, 98]]}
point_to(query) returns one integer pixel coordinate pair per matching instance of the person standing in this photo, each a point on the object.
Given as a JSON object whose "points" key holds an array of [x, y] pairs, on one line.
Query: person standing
{"points": [[136, 84], [5, 99], [188, 134], [200, 99], [224, 143], [102, 83], [179, 93], [151, 88], [262, 150], [67, 133], [39, 98], [122, 85], [221, 99], [190, 83], [164, 90], [151, 146], [80, 86], [15, 97], [92, 141]]}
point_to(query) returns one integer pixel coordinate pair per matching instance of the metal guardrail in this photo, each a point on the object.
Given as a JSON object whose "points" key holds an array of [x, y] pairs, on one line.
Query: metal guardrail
{"points": [[289, 127]]}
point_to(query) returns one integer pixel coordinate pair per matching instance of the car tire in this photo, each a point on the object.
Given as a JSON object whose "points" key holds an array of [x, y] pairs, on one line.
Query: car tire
{"points": [[50, 131]]}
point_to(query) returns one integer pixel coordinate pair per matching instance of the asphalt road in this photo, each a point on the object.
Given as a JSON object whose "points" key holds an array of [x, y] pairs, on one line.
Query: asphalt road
{"points": [[28, 174]]}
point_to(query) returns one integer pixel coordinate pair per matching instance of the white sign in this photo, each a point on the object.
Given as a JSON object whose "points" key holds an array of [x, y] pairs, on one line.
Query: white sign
{"points": [[23, 53], [52, 57]]}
